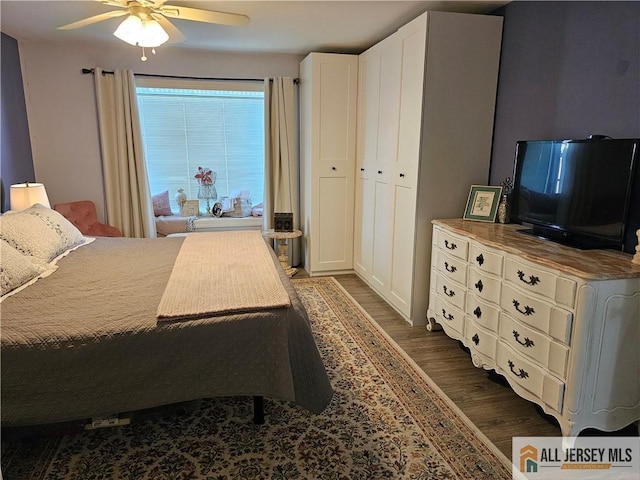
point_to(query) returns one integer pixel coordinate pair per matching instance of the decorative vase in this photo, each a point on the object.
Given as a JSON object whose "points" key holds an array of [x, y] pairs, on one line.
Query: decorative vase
{"points": [[180, 197], [503, 210]]}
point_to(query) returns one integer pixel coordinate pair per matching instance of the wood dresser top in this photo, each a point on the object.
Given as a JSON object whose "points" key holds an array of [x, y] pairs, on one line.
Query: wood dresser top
{"points": [[586, 264]]}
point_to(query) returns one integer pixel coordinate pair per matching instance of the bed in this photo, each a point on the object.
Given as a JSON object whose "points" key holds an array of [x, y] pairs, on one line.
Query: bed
{"points": [[85, 340]]}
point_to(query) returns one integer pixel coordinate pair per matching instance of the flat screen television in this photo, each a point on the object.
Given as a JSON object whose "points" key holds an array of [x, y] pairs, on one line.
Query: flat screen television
{"points": [[577, 192]]}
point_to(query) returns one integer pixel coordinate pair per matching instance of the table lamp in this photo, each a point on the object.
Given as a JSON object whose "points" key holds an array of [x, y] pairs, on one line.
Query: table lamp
{"points": [[23, 195]]}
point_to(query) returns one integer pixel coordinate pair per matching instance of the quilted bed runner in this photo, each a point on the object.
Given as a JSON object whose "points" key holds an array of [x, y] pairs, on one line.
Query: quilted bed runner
{"points": [[222, 272]]}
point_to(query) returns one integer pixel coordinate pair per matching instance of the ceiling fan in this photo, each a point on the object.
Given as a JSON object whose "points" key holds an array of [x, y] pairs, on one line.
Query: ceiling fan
{"points": [[147, 23]]}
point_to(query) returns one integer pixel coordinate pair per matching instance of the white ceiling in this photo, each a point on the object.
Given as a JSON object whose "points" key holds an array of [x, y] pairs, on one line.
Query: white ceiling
{"points": [[276, 26]]}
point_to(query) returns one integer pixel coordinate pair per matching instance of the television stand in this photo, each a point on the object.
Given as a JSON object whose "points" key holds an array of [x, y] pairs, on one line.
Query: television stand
{"points": [[560, 324]]}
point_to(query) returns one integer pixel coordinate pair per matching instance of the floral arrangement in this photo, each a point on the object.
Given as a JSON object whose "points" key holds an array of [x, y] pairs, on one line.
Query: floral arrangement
{"points": [[204, 176]]}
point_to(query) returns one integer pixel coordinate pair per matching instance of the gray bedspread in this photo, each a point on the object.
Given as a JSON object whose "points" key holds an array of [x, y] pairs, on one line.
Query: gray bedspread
{"points": [[85, 342]]}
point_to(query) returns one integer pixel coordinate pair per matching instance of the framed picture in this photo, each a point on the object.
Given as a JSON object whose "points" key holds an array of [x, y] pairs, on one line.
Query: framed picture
{"points": [[190, 208], [482, 204]]}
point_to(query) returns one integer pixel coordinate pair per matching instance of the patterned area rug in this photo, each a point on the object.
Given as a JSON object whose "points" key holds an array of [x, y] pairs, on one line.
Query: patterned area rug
{"points": [[387, 420]]}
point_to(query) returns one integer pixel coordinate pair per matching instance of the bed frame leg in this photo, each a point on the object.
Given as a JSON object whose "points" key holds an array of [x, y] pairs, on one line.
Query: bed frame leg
{"points": [[258, 410]]}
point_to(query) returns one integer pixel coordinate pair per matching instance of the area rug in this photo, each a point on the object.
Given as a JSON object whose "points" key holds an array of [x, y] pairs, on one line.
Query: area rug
{"points": [[387, 420]]}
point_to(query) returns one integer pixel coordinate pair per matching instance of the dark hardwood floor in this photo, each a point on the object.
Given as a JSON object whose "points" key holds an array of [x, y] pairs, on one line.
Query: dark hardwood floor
{"points": [[494, 408]]}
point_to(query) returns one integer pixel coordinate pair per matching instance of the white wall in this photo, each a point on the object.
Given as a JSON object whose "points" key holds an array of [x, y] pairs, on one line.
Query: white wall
{"points": [[61, 106]]}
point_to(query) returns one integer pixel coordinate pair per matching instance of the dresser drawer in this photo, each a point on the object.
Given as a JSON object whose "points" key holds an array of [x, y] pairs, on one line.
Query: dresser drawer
{"points": [[483, 285], [483, 313], [455, 246], [539, 314], [485, 259], [541, 348], [453, 292], [448, 315], [521, 371], [535, 279], [451, 267], [480, 340]]}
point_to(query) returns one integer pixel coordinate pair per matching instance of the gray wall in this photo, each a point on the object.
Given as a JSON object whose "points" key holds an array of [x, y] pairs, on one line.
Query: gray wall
{"points": [[16, 164], [568, 69]]}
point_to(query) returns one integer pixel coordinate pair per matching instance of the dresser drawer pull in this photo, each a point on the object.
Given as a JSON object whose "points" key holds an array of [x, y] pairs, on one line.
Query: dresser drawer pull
{"points": [[479, 285], [480, 259], [521, 373], [533, 280], [451, 268], [477, 312], [527, 342], [450, 246], [448, 292], [527, 309], [447, 316], [476, 339]]}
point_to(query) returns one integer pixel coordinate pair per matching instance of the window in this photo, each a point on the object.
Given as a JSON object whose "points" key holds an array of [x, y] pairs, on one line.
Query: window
{"points": [[188, 124]]}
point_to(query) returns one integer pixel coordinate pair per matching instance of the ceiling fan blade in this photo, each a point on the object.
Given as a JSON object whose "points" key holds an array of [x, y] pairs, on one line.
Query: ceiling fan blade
{"points": [[207, 16], [175, 35], [94, 19], [114, 3]]}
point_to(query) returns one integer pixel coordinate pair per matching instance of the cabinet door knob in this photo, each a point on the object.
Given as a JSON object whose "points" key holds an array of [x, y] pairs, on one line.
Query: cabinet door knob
{"points": [[333, 168], [379, 172], [402, 175], [361, 169]]}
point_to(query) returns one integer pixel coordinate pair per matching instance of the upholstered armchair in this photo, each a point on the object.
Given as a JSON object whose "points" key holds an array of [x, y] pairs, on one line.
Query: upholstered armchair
{"points": [[83, 215]]}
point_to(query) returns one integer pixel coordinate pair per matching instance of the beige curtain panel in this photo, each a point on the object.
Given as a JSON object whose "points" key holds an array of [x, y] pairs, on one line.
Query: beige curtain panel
{"points": [[282, 159], [127, 192]]}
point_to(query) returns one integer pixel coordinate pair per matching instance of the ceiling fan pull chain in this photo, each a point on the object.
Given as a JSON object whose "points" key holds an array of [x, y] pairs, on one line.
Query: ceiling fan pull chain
{"points": [[143, 57]]}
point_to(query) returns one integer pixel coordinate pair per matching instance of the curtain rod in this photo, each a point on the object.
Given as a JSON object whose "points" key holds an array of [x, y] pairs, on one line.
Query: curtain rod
{"points": [[86, 71]]}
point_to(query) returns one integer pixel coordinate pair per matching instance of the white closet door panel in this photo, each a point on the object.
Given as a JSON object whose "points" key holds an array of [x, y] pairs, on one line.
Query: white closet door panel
{"points": [[363, 245], [382, 235], [334, 247], [403, 238], [337, 122], [389, 101], [368, 106], [413, 38]]}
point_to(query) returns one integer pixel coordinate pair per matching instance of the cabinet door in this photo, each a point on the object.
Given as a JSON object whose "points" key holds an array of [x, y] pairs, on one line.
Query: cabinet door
{"points": [[366, 154], [333, 112], [411, 44], [387, 135]]}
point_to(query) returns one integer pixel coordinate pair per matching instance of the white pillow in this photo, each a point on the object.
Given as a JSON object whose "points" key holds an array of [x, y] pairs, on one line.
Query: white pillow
{"points": [[39, 232], [16, 269]]}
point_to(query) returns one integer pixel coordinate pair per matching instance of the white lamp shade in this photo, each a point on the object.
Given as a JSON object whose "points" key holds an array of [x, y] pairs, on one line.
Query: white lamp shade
{"points": [[23, 195], [129, 30], [148, 33], [152, 35]]}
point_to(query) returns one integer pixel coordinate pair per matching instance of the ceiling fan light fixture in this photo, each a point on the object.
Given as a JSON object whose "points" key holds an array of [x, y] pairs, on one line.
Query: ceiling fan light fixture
{"points": [[152, 34], [129, 30]]}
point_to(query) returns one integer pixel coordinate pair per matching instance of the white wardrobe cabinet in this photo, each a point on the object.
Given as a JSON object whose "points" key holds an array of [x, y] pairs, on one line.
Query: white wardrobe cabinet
{"points": [[328, 93], [426, 102]]}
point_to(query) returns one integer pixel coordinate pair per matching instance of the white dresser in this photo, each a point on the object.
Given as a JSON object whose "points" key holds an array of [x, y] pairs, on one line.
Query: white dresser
{"points": [[561, 324]]}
